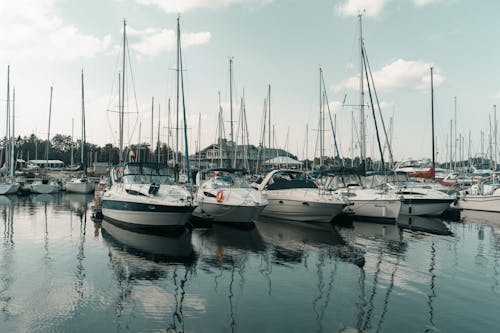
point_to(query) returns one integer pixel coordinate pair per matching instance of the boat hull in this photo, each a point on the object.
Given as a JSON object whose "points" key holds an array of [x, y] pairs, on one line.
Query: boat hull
{"points": [[376, 210], [84, 187], [44, 188], [428, 207], [486, 203], [144, 216], [228, 213], [301, 210], [8, 188]]}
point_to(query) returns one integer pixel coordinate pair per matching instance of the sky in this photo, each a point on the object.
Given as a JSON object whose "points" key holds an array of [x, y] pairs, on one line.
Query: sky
{"points": [[281, 43]]}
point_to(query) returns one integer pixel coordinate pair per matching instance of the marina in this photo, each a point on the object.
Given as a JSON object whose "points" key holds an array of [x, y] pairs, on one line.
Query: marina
{"points": [[61, 271], [249, 166]]}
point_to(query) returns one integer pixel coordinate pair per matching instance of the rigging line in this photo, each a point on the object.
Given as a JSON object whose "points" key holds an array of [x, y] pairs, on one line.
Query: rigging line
{"points": [[378, 104], [372, 107], [131, 133], [330, 115]]}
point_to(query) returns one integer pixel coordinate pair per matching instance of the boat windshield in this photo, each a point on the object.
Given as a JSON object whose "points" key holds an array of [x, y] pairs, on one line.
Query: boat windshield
{"points": [[341, 181], [147, 173], [219, 179], [289, 180]]}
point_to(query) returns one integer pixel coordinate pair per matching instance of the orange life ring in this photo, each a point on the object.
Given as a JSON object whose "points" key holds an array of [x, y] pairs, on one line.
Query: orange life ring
{"points": [[220, 196]]}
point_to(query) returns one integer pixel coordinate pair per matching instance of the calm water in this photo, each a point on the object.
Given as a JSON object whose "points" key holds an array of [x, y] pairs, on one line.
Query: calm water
{"points": [[60, 271]]}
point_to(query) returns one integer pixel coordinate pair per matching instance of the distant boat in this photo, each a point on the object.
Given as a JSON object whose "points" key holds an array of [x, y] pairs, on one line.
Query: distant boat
{"points": [[8, 185], [81, 184]]}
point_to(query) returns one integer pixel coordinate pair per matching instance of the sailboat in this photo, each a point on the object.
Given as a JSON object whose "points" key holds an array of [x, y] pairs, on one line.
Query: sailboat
{"points": [[143, 196], [8, 185], [46, 185], [81, 184]]}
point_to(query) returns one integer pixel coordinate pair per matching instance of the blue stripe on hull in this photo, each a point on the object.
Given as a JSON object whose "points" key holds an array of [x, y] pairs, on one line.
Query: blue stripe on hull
{"points": [[144, 207]]}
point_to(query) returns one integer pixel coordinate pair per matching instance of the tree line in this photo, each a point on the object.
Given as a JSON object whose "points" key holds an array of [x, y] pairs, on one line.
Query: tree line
{"points": [[60, 146]]}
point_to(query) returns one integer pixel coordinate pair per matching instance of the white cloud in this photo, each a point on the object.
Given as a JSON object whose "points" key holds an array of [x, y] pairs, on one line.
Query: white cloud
{"points": [[355, 7], [398, 74], [422, 3], [33, 28], [154, 41], [181, 6]]}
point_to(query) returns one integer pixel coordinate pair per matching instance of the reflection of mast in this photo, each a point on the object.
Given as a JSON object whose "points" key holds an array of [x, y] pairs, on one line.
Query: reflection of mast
{"points": [[80, 269], [8, 246], [374, 291], [361, 304], [230, 298], [386, 298], [432, 294]]}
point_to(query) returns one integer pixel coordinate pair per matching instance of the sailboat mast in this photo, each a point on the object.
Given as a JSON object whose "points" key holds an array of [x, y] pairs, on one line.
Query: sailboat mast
{"points": [[495, 125], [186, 143], [169, 125], [72, 139], [122, 111], [361, 95], [320, 118], [269, 112], [152, 135], [231, 97], [177, 92], [432, 115], [84, 135], [13, 136], [48, 133], [158, 144], [7, 122]]}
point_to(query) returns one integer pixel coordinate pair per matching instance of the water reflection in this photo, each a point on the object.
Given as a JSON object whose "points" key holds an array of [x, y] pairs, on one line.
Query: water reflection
{"points": [[136, 257], [7, 253], [292, 241], [430, 225]]}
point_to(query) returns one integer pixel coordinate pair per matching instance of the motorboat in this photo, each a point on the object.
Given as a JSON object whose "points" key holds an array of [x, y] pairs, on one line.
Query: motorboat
{"points": [[292, 195], [416, 200], [368, 204], [143, 196], [224, 195], [80, 185], [480, 197]]}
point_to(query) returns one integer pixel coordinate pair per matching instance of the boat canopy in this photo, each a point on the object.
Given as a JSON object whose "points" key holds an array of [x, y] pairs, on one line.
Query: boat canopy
{"points": [[284, 180]]}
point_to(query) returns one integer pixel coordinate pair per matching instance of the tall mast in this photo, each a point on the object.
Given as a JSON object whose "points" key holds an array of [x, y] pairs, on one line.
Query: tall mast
{"points": [[361, 95], [320, 119], [432, 115], [455, 135], [158, 144], [13, 136], [168, 132], [84, 135], [72, 139], [495, 135], [152, 135], [231, 97], [186, 152], [48, 133], [122, 111], [7, 122], [269, 112], [177, 92]]}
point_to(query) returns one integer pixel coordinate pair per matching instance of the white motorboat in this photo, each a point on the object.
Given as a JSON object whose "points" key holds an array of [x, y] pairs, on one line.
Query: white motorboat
{"points": [[292, 195], [143, 196], [80, 185], [380, 205], [480, 199], [417, 199], [223, 196], [44, 186]]}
